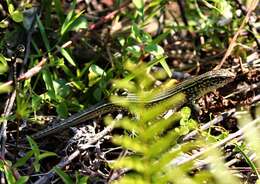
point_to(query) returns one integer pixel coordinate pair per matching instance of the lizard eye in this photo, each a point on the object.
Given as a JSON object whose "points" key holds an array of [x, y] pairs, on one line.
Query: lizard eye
{"points": [[20, 48]]}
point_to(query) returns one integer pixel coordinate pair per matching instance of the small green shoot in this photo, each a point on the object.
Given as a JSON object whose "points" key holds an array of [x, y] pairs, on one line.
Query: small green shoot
{"points": [[37, 154], [68, 180]]}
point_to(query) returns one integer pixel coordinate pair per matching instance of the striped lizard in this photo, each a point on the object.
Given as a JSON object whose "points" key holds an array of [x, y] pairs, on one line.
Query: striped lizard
{"points": [[193, 89]]}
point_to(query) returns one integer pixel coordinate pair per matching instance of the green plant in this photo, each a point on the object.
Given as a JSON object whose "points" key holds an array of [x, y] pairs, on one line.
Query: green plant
{"points": [[38, 156], [177, 35], [5, 167], [152, 141], [3, 69], [15, 14], [10, 170], [68, 180]]}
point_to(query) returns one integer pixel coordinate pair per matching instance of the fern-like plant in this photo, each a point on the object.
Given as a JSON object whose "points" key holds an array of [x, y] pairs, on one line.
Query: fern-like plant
{"points": [[155, 153]]}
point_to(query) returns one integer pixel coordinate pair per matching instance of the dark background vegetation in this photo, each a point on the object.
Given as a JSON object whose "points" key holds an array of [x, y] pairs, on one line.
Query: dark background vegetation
{"points": [[60, 57]]}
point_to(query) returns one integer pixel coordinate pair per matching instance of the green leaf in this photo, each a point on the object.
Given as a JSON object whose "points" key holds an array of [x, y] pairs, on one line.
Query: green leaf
{"points": [[134, 50], [23, 107], [139, 4], [61, 88], [97, 70], [36, 165], [65, 177], [47, 77], [150, 64], [135, 33], [58, 9], [80, 23], [47, 154], [37, 155], [126, 124], [133, 163], [67, 56], [248, 160], [9, 175], [155, 3], [184, 130], [5, 88], [161, 37], [185, 112], [161, 145], [66, 22], [154, 49], [24, 159], [130, 143], [224, 8], [192, 124], [69, 21], [34, 147], [66, 69], [4, 24], [97, 94], [78, 84], [68, 18], [83, 180], [166, 67], [122, 41], [17, 16], [167, 157], [10, 7], [3, 64], [1, 165], [36, 102], [157, 128], [43, 34], [22, 180], [3, 60], [62, 110]]}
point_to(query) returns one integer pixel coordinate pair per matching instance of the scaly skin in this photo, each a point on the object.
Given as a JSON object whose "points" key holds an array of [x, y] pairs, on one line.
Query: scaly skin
{"points": [[193, 89]]}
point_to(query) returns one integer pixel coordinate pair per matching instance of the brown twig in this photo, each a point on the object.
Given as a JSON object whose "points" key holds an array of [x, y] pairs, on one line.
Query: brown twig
{"points": [[68, 160], [232, 44], [10, 102], [231, 137], [33, 71], [108, 17], [181, 4], [252, 31], [7, 111]]}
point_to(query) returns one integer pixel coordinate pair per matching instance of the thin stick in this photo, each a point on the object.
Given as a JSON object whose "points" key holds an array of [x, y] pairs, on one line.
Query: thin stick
{"points": [[252, 6]]}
